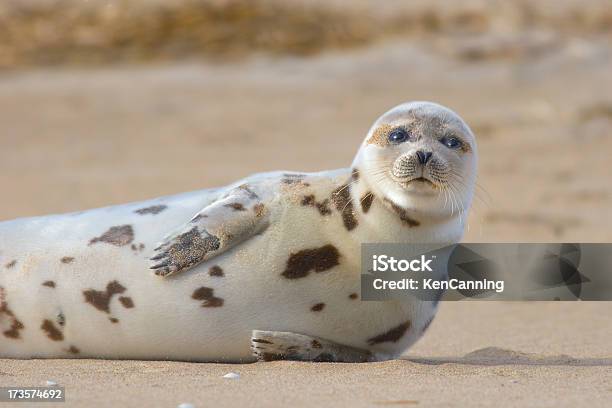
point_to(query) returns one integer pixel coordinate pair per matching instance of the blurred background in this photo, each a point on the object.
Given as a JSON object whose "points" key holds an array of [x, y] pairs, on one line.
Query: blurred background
{"points": [[109, 101]]}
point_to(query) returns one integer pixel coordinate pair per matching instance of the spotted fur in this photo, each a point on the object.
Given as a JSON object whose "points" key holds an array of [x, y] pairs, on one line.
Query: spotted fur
{"points": [[403, 214], [341, 197], [319, 259], [117, 236], [216, 270], [15, 326], [73, 350], [206, 295], [126, 301], [259, 209], [322, 206], [236, 206], [318, 307], [138, 248], [250, 193], [51, 331], [295, 179], [101, 299], [154, 209], [380, 136], [366, 201]]}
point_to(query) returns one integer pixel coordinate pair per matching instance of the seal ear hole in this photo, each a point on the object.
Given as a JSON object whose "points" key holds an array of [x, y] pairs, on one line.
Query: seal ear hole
{"points": [[60, 319]]}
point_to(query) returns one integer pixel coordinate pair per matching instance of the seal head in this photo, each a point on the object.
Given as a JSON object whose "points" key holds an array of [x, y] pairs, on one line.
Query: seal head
{"points": [[421, 157]]}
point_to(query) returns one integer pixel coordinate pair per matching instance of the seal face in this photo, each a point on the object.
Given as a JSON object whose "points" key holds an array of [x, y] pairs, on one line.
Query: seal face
{"points": [[273, 259], [420, 156]]}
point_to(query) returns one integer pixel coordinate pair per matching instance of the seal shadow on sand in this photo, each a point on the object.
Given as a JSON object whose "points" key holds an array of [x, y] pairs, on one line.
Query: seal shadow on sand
{"points": [[492, 356]]}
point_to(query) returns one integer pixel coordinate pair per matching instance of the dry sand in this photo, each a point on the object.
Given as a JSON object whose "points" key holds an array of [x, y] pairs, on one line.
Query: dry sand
{"points": [[76, 138]]}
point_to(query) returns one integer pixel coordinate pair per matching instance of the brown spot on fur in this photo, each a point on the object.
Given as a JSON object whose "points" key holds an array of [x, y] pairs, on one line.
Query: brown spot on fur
{"points": [[113, 320], [318, 307], [322, 207], [353, 296], [73, 350], [16, 326], [294, 179], [53, 332], [208, 297], [154, 209], [262, 341], [49, 284], [118, 236], [380, 135], [403, 214], [315, 259], [235, 206], [316, 344], [138, 248], [126, 301], [355, 174], [216, 270], [252, 195], [295, 182], [259, 209], [11, 264], [341, 197], [67, 260], [366, 201], [392, 335], [101, 299]]}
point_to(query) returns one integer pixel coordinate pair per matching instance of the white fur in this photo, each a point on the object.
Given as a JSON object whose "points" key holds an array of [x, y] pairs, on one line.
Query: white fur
{"points": [[166, 322]]}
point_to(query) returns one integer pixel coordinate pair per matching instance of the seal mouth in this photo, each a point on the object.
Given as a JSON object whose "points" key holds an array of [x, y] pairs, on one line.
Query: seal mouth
{"points": [[417, 182], [421, 180]]}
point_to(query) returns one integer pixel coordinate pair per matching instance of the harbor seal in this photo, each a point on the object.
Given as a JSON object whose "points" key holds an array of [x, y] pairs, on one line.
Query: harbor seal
{"points": [[265, 268]]}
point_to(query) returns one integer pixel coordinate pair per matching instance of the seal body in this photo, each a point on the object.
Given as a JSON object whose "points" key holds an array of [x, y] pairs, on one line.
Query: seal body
{"points": [[275, 251]]}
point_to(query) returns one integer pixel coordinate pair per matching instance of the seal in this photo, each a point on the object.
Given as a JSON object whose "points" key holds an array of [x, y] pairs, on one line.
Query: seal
{"points": [[265, 268]]}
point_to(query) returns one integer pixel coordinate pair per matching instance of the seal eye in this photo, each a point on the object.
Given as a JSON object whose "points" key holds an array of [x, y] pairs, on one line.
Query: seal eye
{"points": [[398, 135], [451, 142]]}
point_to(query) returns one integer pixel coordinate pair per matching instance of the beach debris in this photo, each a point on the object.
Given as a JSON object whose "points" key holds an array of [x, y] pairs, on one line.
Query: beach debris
{"points": [[232, 376], [185, 405], [51, 383]]}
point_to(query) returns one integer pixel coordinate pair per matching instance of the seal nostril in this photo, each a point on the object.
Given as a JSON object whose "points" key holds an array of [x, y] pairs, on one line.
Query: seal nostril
{"points": [[423, 156]]}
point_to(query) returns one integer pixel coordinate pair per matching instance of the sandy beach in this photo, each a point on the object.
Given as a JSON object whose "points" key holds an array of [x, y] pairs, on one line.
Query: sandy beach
{"points": [[80, 136], [549, 354]]}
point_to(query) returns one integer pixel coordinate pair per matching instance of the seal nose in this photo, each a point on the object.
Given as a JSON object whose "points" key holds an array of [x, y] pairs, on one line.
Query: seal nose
{"points": [[423, 156]]}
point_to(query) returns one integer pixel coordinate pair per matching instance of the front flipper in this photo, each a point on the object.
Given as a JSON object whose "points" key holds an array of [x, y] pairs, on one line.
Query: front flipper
{"points": [[273, 345], [221, 225]]}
